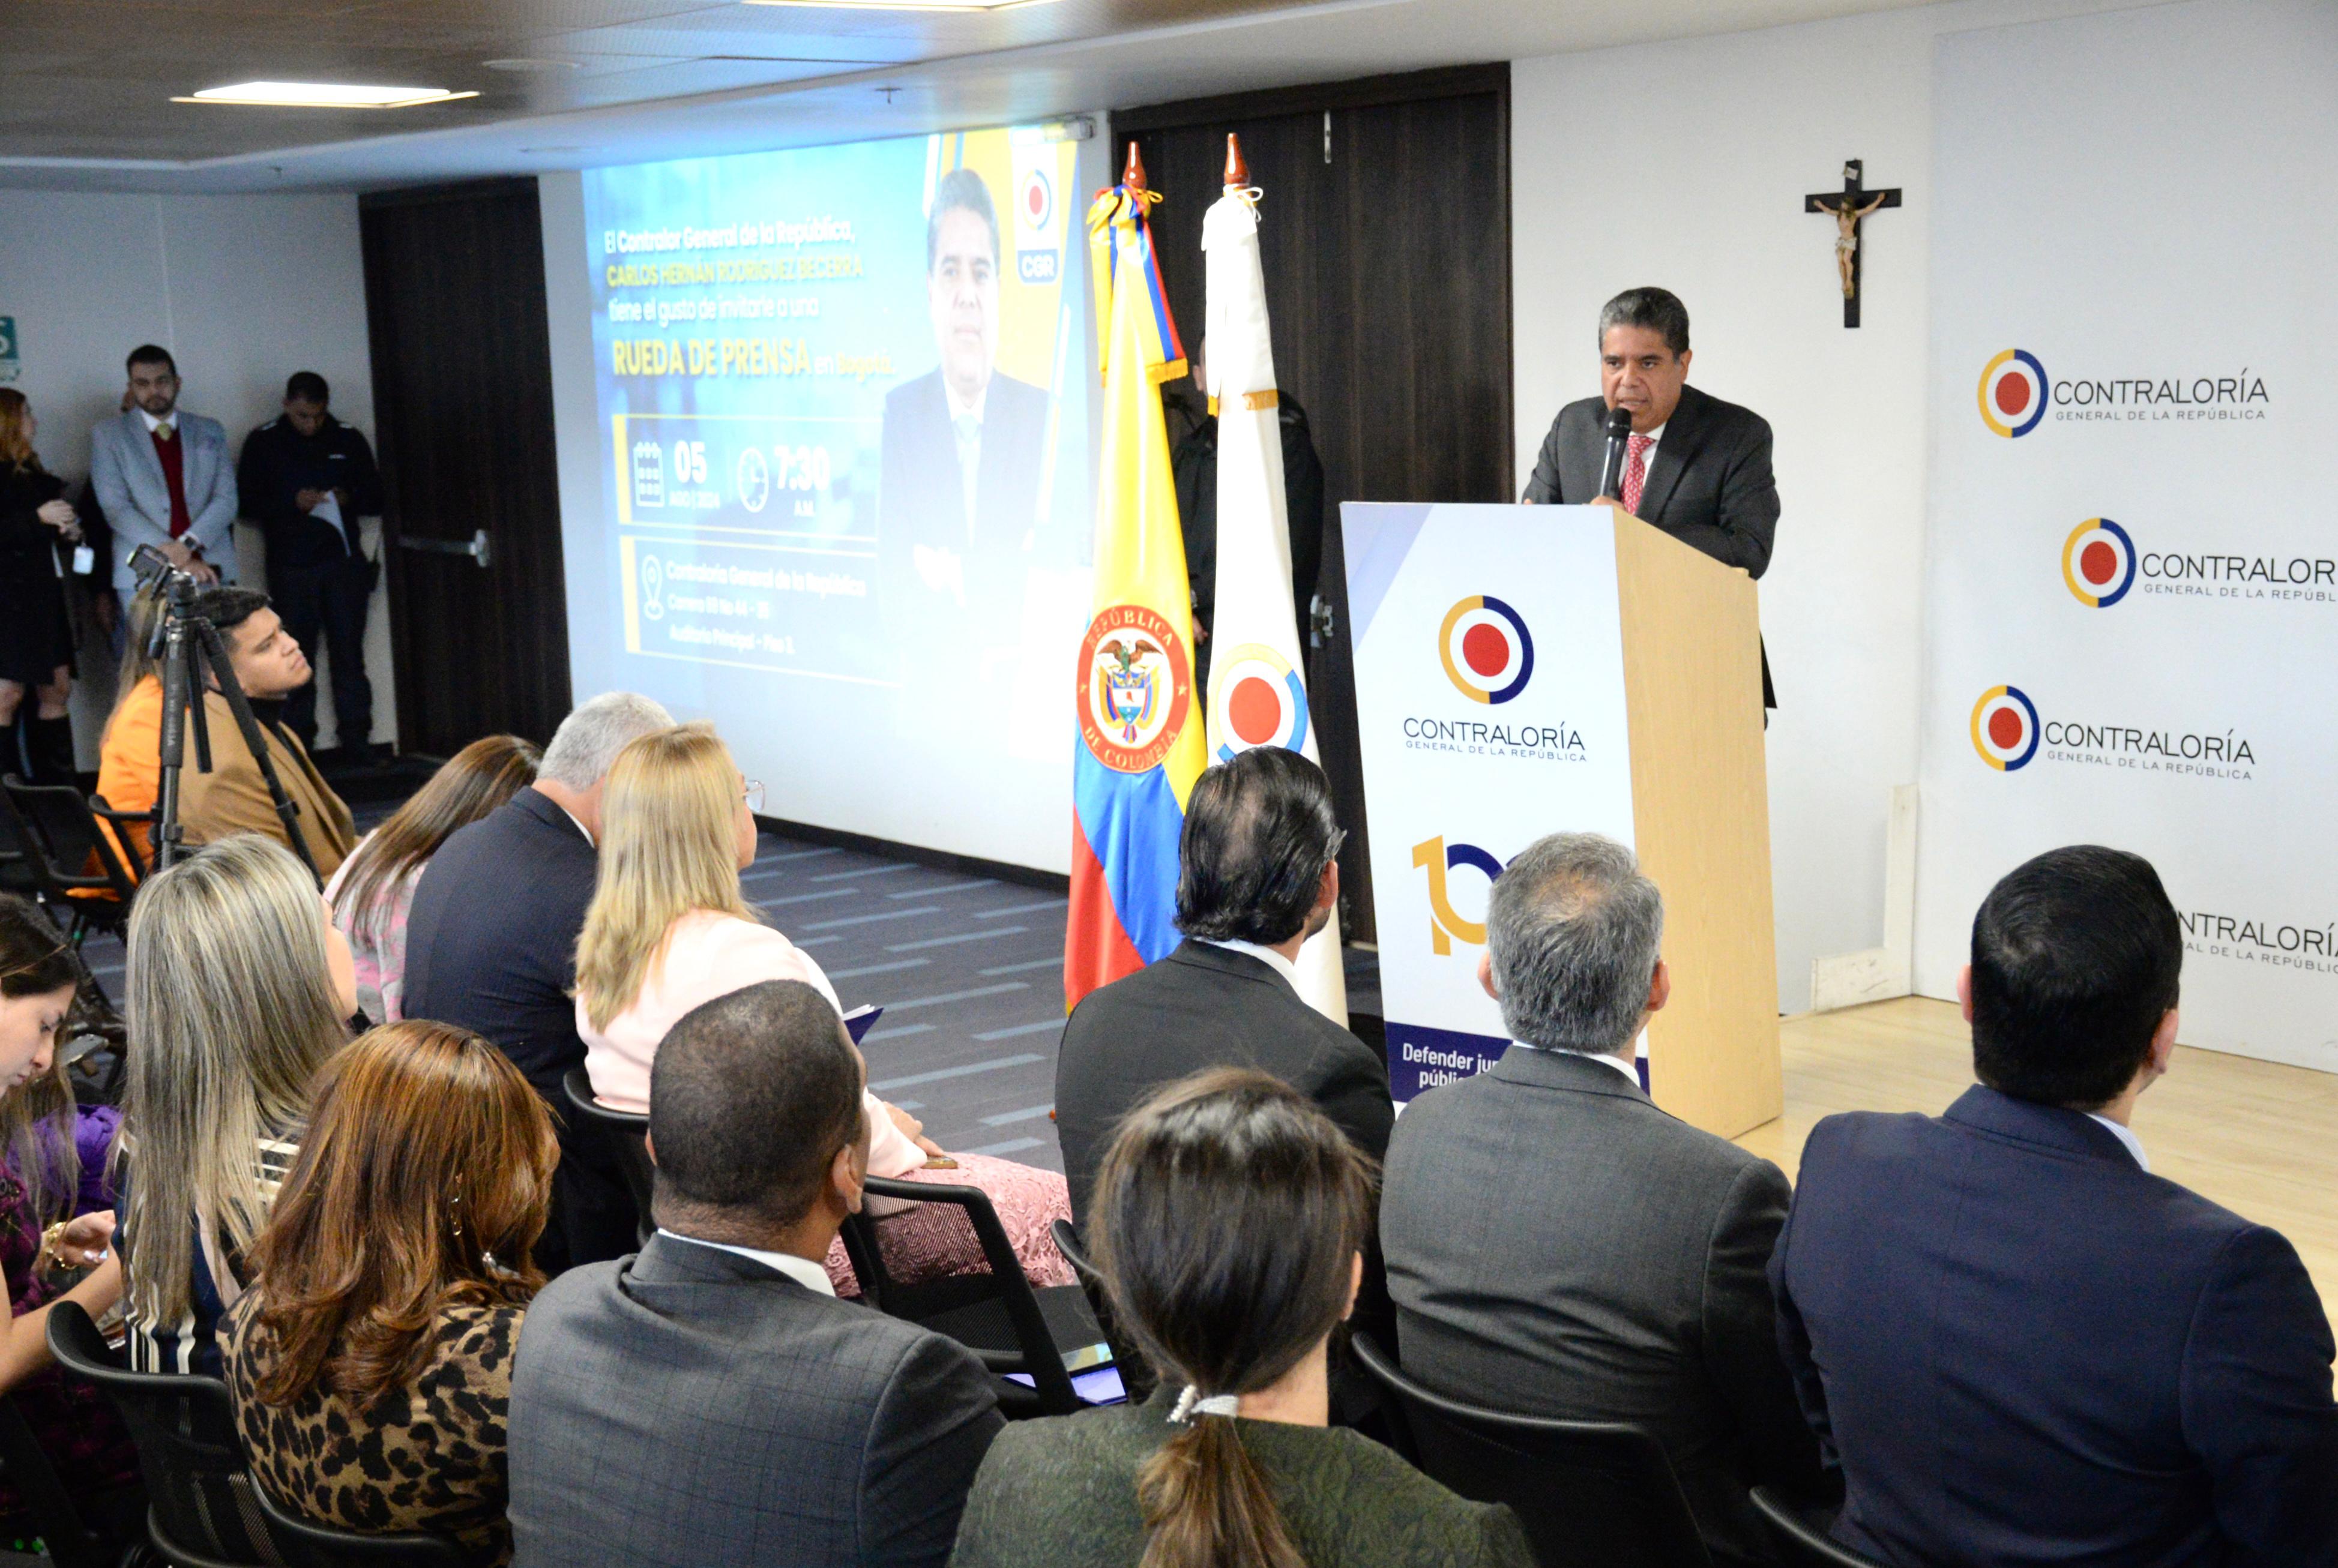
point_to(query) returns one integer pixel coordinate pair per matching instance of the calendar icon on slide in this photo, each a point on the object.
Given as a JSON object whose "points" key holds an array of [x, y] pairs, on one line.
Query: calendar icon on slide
{"points": [[649, 475]]}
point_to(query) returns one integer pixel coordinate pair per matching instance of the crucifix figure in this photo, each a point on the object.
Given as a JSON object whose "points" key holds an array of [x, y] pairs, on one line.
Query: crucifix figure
{"points": [[1848, 208]]}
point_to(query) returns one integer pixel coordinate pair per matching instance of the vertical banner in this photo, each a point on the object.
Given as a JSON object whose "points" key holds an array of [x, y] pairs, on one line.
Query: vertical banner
{"points": [[1489, 703], [2134, 580]]}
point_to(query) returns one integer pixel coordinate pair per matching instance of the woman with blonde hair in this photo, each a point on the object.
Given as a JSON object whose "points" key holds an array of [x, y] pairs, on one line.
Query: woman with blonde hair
{"points": [[373, 891], [371, 1359], [669, 928], [237, 992], [36, 525]]}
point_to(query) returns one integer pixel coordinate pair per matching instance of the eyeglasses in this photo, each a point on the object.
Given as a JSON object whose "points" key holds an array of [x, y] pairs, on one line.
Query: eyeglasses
{"points": [[751, 791]]}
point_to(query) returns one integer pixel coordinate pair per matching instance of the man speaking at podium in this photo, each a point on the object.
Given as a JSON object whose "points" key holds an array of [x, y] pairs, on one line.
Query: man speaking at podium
{"points": [[1692, 466]]}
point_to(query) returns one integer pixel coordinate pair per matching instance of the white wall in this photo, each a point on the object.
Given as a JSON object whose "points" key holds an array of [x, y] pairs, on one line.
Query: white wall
{"points": [[242, 289], [1684, 164]]}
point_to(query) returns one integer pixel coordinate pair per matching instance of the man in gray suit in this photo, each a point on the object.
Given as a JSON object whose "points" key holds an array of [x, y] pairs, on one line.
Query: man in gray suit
{"points": [[164, 478], [1557, 1246], [710, 1401]]}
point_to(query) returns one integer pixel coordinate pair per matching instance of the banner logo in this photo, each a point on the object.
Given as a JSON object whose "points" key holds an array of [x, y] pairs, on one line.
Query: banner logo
{"points": [[2013, 393], [1135, 686], [2005, 727], [1487, 652], [1437, 858], [1256, 698], [2099, 562]]}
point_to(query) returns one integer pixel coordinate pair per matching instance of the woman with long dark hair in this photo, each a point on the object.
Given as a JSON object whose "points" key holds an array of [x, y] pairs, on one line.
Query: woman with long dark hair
{"points": [[1229, 1223], [371, 1359], [373, 891], [36, 525]]}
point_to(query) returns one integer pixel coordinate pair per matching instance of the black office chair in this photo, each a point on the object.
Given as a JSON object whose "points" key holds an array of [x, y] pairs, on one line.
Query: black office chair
{"points": [[1801, 1543], [58, 830], [1136, 1374], [997, 1315], [1591, 1493], [204, 1510], [628, 1135], [67, 1536]]}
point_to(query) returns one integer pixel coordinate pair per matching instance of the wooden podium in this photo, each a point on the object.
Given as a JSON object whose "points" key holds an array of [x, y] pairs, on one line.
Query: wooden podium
{"points": [[1528, 669]]}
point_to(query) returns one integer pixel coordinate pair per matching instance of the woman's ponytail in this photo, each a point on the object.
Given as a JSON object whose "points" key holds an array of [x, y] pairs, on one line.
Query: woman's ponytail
{"points": [[1207, 1505]]}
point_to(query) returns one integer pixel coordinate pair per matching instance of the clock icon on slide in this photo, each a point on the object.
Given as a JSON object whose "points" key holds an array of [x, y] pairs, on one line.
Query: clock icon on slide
{"points": [[754, 479]]}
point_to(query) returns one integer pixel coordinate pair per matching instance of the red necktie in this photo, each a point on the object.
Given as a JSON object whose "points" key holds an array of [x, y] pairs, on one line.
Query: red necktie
{"points": [[1636, 470]]}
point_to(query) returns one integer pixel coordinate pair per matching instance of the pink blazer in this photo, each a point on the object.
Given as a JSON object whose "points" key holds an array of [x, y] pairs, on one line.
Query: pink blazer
{"points": [[707, 955]]}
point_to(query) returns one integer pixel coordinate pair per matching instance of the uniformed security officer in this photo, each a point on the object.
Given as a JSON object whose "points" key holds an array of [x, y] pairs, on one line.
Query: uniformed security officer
{"points": [[306, 478]]}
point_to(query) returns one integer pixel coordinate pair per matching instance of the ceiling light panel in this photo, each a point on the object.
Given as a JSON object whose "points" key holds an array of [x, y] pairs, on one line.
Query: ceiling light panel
{"points": [[322, 96]]}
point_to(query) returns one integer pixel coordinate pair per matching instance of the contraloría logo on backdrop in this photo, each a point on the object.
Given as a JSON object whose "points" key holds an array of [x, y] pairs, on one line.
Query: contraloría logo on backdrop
{"points": [[2099, 562], [2009, 735], [1439, 860], [1256, 698], [1135, 688], [2254, 939], [1488, 652], [2016, 396]]}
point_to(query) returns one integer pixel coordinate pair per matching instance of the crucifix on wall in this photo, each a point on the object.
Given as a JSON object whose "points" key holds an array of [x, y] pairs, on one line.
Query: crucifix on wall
{"points": [[1848, 208]]}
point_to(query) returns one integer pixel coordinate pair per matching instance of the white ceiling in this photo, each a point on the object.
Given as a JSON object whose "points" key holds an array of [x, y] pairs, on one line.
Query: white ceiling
{"points": [[86, 84]]}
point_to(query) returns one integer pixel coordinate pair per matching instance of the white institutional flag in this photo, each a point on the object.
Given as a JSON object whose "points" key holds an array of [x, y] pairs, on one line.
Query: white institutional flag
{"points": [[1258, 688]]}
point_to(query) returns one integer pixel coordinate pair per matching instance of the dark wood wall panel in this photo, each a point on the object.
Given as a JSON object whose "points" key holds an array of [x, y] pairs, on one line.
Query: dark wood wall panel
{"points": [[462, 371], [1387, 283]]}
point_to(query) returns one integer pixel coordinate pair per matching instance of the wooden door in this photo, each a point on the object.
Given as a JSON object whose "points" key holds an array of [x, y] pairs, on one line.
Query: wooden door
{"points": [[1385, 235], [462, 377]]}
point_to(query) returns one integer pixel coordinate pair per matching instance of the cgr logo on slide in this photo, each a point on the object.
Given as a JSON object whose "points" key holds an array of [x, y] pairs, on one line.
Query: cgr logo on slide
{"points": [[2005, 729], [1256, 698], [1487, 652], [2014, 392], [1438, 857], [2099, 562]]}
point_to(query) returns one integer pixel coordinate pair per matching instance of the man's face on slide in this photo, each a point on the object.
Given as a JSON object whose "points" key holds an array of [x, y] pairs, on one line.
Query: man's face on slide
{"points": [[962, 293], [1638, 372]]}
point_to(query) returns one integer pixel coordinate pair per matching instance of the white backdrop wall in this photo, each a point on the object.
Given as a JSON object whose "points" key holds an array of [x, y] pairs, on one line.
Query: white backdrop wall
{"points": [[1684, 164], [242, 289]]}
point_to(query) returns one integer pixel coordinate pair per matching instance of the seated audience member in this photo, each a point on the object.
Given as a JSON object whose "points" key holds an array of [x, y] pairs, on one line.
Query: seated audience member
{"points": [[1255, 878], [54, 1212], [373, 892], [1559, 1246], [710, 1401], [238, 990], [669, 929], [234, 797], [491, 948], [371, 1359], [129, 749], [1229, 1224], [2022, 1346]]}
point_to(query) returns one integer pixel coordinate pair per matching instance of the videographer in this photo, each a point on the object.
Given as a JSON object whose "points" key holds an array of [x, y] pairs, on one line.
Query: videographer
{"points": [[234, 797]]}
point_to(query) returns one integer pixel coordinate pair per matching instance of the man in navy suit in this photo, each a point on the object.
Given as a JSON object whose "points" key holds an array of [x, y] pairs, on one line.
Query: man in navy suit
{"points": [[957, 499], [2020, 1346]]}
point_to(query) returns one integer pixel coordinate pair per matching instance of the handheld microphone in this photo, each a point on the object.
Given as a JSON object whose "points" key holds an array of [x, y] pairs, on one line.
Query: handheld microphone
{"points": [[1611, 471]]}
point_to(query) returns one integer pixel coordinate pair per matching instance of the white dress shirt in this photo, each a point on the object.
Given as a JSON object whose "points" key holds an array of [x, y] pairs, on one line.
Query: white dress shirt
{"points": [[154, 421], [2126, 1135], [1266, 956], [1627, 1069], [802, 1270]]}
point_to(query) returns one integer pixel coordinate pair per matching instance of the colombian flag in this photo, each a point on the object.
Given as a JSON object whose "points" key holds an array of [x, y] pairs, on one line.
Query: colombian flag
{"points": [[1140, 727]]}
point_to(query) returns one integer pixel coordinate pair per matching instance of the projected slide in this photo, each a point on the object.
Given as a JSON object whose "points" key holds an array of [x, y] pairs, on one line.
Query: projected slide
{"points": [[844, 418]]}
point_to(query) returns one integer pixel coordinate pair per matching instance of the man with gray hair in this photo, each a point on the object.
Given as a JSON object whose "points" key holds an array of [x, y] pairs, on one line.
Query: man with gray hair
{"points": [[1559, 1246], [491, 947]]}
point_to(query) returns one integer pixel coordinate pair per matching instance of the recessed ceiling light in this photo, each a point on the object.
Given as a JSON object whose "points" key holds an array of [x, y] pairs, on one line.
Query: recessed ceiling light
{"points": [[322, 96], [524, 64]]}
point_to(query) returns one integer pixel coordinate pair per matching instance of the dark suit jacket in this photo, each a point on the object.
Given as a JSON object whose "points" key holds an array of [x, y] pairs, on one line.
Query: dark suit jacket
{"points": [[2024, 1349], [1062, 1493], [1709, 483], [920, 501], [691, 1407], [1558, 1247], [1203, 1007]]}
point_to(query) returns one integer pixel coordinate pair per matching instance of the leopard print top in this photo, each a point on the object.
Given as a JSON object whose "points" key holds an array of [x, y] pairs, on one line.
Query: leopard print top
{"points": [[430, 1459]]}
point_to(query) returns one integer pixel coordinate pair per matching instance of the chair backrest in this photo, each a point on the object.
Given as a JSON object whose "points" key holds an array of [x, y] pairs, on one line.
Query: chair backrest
{"points": [[1136, 1374], [1801, 1543], [1036, 1355], [206, 1509], [71, 1543], [20, 872], [56, 825], [628, 1135], [1591, 1493]]}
